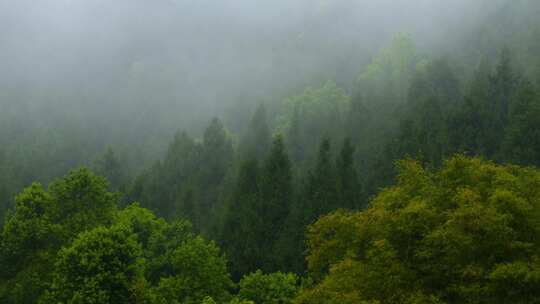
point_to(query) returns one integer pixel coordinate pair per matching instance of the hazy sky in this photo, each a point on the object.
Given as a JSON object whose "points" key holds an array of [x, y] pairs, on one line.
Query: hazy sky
{"points": [[186, 58]]}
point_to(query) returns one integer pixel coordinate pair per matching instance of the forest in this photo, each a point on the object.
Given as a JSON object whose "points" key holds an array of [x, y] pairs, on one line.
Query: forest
{"points": [[294, 152]]}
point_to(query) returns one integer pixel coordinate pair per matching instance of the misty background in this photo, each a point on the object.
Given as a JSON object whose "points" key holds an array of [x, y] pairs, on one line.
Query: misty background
{"points": [[79, 76]]}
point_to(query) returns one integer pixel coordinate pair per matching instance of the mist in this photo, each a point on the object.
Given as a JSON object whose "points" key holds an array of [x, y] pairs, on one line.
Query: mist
{"points": [[178, 63], [129, 74], [286, 151]]}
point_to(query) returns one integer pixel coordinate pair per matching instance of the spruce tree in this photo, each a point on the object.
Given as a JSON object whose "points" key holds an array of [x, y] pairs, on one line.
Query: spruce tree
{"points": [[522, 135], [110, 167], [276, 193], [256, 140], [216, 161], [242, 226], [348, 186], [501, 88], [320, 193]]}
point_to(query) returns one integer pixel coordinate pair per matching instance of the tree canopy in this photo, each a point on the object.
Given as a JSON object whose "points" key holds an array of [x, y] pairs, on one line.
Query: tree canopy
{"points": [[463, 234]]}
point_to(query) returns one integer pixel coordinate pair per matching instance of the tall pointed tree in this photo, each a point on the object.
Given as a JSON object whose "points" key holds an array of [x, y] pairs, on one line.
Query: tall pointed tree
{"points": [[216, 160], [110, 167], [348, 186], [294, 137], [318, 196], [241, 230], [522, 139], [468, 124], [320, 193], [256, 141], [357, 120], [276, 194], [502, 84]]}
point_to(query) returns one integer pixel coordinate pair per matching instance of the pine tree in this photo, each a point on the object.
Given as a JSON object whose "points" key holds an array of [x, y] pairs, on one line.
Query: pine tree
{"points": [[318, 196], [256, 141], [242, 226], [320, 193], [468, 125], [110, 167], [348, 186], [294, 137], [357, 120], [500, 90], [276, 194], [215, 164], [522, 137]]}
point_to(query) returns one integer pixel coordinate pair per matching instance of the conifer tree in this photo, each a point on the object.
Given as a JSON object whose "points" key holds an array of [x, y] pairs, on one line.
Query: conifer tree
{"points": [[522, 137], [109, 166], [256, 140], [500, 90], [348, 185], [294, 137], [275, 199], [216, 160], [320, 193], [242, 225]]}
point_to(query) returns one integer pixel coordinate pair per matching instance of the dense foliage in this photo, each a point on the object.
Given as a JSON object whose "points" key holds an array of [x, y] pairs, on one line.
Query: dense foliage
{"points": [[466, 233], [413, 181], [72, 244]]}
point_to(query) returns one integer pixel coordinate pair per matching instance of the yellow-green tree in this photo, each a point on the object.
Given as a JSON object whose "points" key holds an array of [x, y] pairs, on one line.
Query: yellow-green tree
{"points": [[466, 233]]}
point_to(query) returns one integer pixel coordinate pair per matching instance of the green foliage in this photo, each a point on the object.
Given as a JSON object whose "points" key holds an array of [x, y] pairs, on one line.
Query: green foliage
{"points": [[276, 194], [389, 75], [330, 185], [465, 234], [208, 300], [241, 229], [307, 118], [110, 167], [180, 267], [273, 288], [42, 222], [100, 266], [256, 141], [257, 212], [433, 94], [83, 201], [196, 270], [456, 231], [70, 244], [521, 143], [349, 189], [188, 183]]}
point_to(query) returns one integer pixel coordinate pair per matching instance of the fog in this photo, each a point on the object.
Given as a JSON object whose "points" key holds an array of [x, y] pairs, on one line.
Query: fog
{"points": [[170, 57], [136, 71]]}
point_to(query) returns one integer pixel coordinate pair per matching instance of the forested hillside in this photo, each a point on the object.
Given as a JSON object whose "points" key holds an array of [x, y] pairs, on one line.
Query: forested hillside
{"points": [[345, 155]]}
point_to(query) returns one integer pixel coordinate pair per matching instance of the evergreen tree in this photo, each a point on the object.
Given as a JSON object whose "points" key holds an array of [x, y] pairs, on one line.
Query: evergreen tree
{"points": [[522, 138], [216, 160], [243, 225], [294, 137], [276, 194], [181, 165], [256, 140], [501, 88], [163, 187], [434, 93], [357, 120], [468, 124], [349, 190], [320, 194], [110, 167]]}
